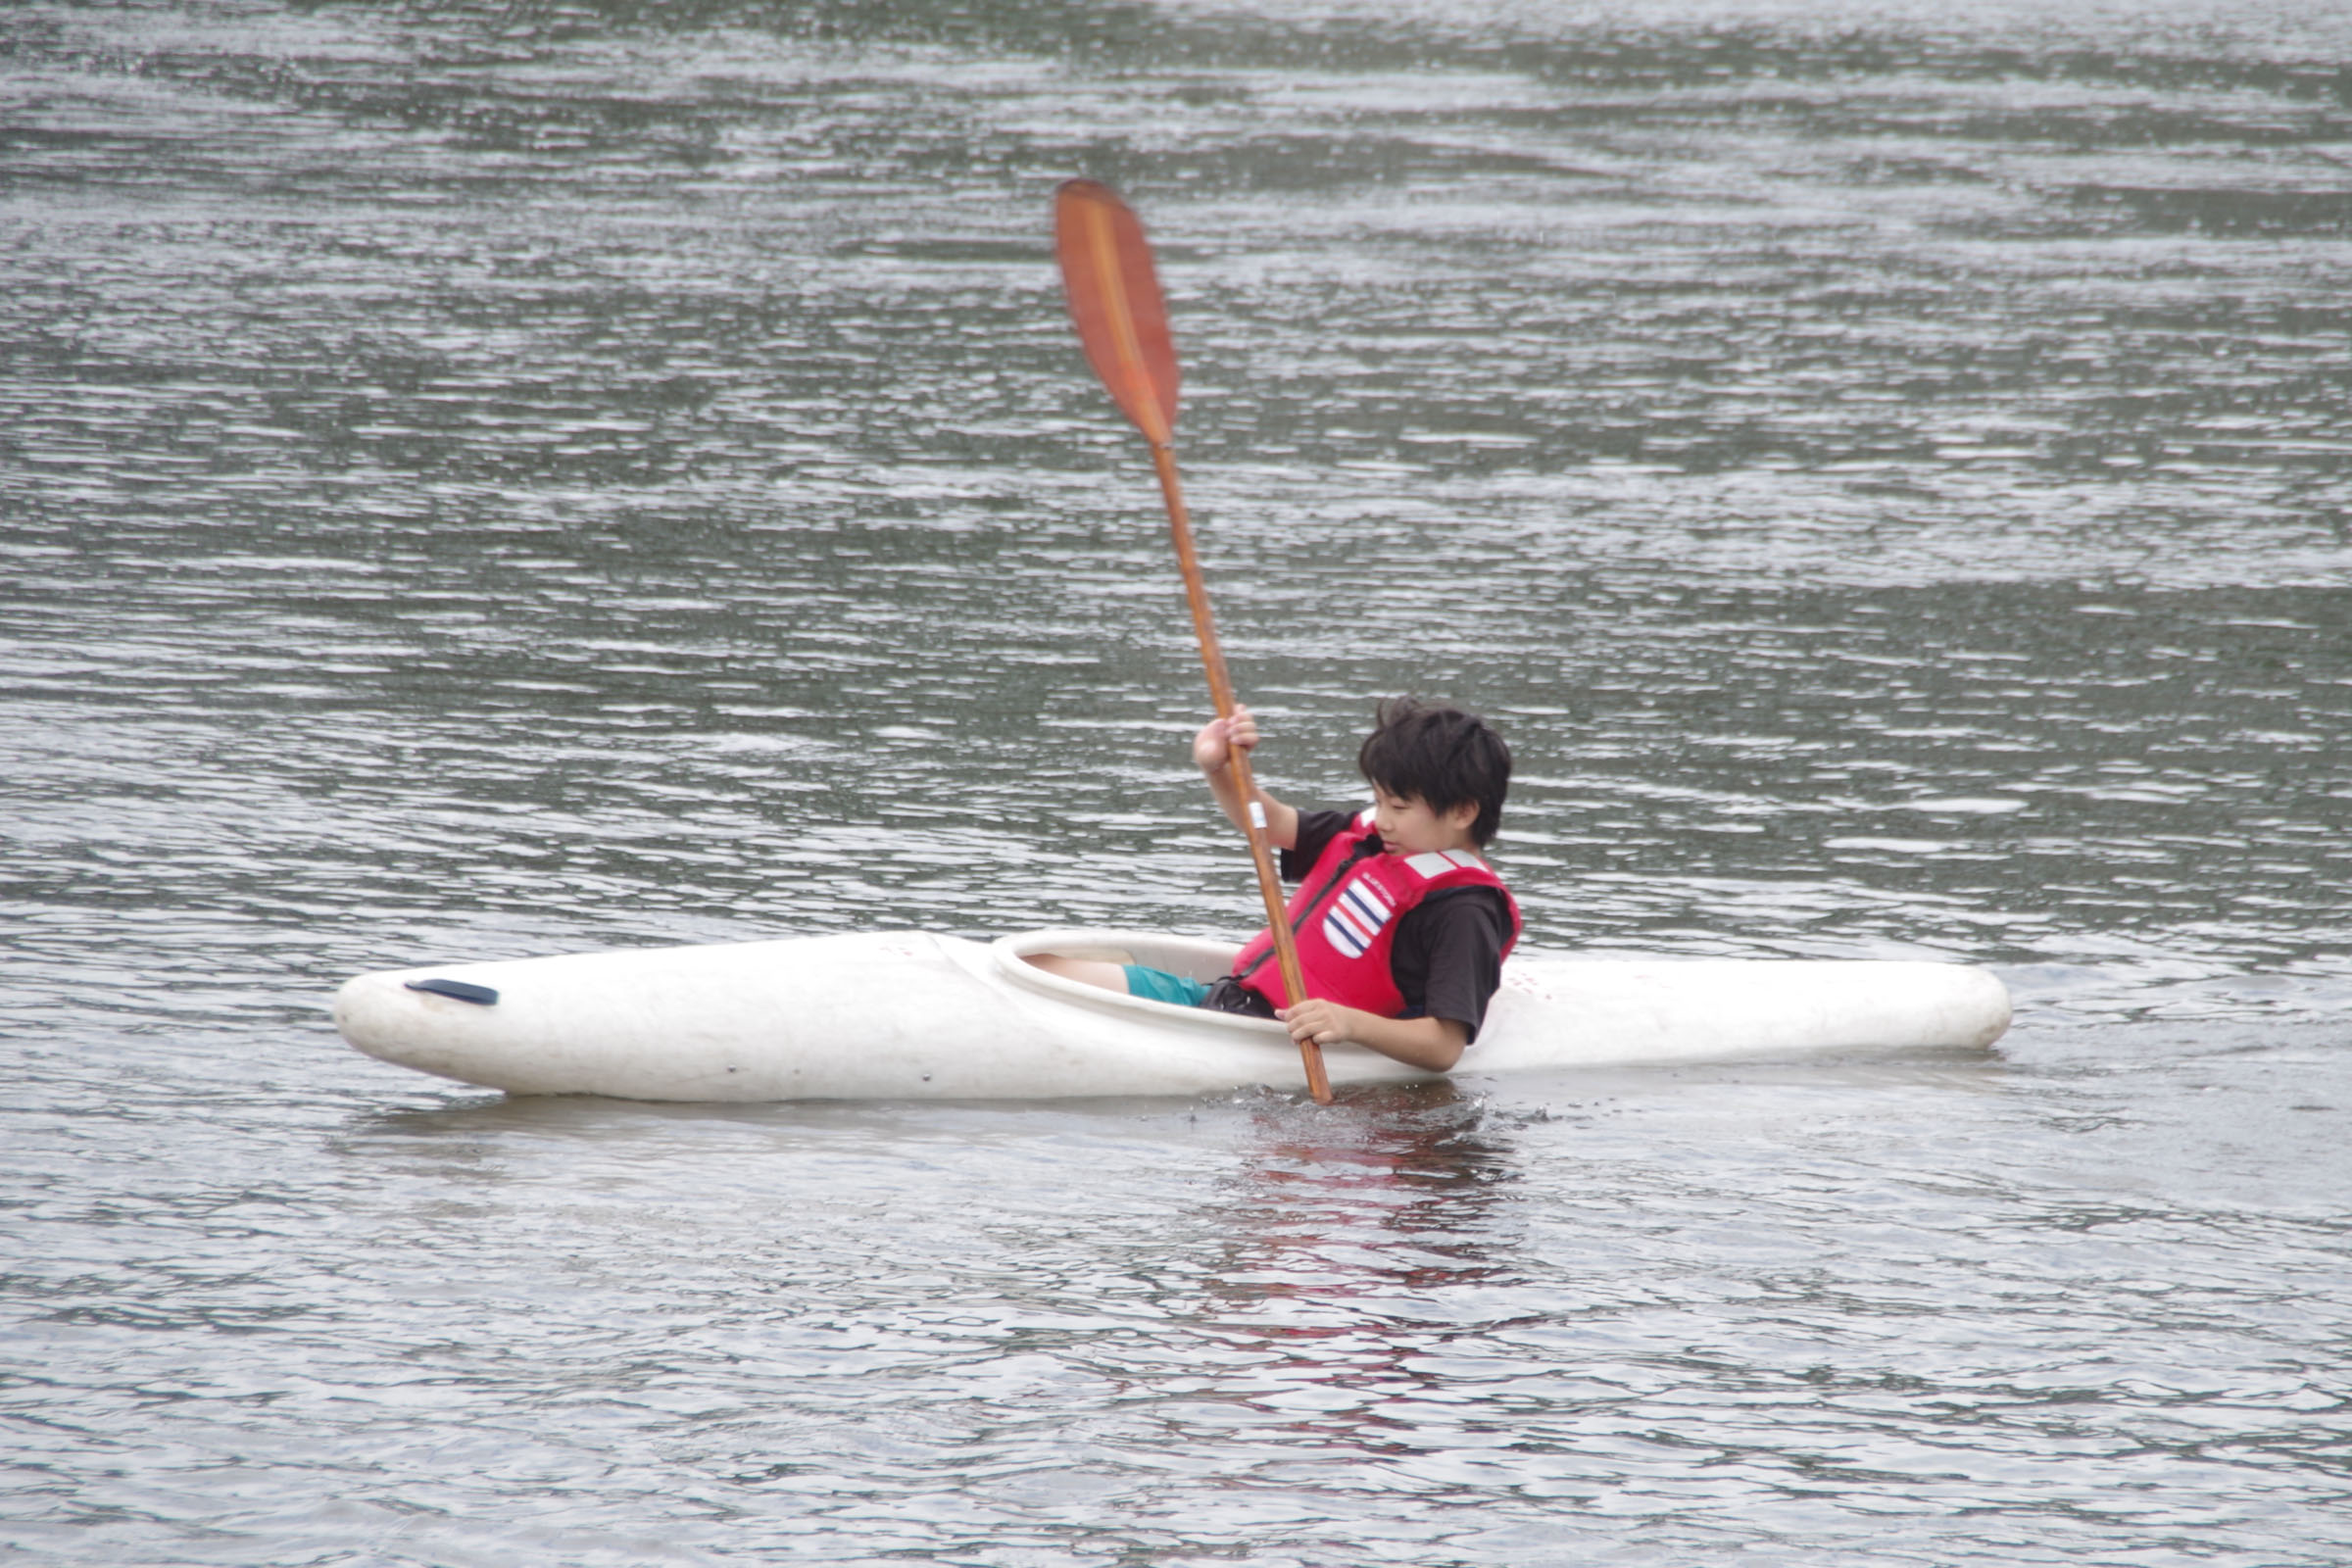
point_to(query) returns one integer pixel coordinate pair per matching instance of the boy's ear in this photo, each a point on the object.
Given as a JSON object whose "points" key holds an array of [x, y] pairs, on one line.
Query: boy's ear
{"points": [[1459, 817]]}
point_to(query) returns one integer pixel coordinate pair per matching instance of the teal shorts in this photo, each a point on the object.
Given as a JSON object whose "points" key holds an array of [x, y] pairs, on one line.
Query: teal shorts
{"points": [[1157, 985]]}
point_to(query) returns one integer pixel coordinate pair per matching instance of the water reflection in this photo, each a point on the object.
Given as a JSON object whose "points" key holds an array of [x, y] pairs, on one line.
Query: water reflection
{"points": [[1355, 1240], [1419, 1160]]}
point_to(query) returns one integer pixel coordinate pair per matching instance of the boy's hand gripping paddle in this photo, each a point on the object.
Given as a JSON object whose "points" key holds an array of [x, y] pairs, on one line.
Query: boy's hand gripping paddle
{"points": [[1114, 300]]}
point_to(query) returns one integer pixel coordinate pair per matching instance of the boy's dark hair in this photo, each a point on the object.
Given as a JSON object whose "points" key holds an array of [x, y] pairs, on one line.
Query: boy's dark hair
{"points": [[1440, 756]]}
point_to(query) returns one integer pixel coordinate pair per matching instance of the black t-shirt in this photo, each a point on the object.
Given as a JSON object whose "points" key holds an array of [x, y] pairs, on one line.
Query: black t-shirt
{"points": [[1447, 957]]}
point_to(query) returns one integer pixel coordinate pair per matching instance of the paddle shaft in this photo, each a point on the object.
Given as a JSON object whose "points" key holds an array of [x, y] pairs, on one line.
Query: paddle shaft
{"points": [[1237, 759], [1114, 291]]}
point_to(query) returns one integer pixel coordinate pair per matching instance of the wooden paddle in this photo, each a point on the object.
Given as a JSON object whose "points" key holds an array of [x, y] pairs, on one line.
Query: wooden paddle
{"points": [[1114, 299]]}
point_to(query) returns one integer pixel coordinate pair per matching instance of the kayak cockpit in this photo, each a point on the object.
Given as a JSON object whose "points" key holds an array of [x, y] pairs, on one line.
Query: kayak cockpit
{"points": [[1202, 959]]}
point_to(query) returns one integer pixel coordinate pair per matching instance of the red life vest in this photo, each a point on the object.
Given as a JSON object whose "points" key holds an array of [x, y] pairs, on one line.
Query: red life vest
{"points": [[1344, 917]]}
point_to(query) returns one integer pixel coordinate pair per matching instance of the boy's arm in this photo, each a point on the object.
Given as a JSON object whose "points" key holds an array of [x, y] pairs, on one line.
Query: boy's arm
{"points": [[1434, 1043], [1212, 749]]}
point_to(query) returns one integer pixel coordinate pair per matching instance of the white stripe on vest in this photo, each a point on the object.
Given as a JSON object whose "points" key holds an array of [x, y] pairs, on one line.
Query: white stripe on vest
{"points": [[1437, 862], [1356, 918]]}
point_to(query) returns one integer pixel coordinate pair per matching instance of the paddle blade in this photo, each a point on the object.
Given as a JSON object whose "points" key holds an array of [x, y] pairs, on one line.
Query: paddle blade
{"points": [[1114, 300]]}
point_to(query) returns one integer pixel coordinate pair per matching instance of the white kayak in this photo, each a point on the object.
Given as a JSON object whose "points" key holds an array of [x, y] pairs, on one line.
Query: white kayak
{"points": [[911, 1015]]}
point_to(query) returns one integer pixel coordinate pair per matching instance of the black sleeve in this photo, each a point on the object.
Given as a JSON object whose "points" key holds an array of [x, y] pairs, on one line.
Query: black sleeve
{"points": [[1316, 829], [1448, 958]]}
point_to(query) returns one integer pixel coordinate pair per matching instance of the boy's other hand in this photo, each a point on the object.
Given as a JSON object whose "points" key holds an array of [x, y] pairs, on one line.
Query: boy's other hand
{"points": [[1326, 1023]]}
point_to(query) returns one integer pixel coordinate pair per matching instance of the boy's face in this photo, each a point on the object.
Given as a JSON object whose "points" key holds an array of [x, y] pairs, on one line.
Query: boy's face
{"points": [[1407, 825]]}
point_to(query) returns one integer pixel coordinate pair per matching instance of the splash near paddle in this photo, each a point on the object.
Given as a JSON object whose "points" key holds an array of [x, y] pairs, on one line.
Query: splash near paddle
{"points": [[1114, 291]]}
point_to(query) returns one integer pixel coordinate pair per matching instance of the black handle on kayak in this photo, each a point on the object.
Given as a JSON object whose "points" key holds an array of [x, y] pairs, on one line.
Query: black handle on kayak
{"points": [[462, 990]]}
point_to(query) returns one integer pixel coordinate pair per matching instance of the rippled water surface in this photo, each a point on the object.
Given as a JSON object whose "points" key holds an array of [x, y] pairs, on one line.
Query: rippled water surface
{"points": [[488, 481]]}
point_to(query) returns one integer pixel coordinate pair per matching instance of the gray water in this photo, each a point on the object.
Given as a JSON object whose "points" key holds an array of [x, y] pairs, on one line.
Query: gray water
{"points": [[491, 480]]}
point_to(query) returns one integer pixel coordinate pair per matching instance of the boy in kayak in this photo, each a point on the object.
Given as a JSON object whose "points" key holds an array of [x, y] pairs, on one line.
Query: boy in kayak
{"points": [[1401, 928]]}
